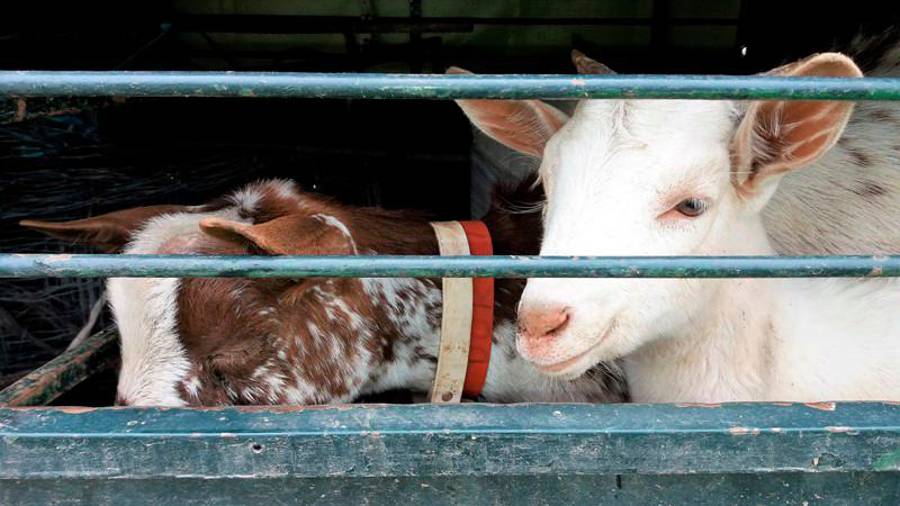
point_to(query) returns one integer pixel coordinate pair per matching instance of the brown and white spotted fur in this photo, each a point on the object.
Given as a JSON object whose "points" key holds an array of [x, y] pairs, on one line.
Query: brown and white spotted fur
{"points": [[217, 341]]}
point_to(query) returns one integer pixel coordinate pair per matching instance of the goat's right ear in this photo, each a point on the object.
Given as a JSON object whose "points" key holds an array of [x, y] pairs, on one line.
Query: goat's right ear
{"points": [[522, 125], [109, 232]]}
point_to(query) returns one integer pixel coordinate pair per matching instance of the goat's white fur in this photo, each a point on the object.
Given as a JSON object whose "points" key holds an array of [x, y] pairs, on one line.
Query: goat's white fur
{"points": [[617, 166]]}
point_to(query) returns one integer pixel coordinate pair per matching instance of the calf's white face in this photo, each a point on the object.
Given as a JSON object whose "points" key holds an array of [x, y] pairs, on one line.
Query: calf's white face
{"points": [[652, 178]]}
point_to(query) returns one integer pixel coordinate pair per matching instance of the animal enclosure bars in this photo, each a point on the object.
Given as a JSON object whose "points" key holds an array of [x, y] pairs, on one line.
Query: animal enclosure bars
{"points": [[495, 453]]}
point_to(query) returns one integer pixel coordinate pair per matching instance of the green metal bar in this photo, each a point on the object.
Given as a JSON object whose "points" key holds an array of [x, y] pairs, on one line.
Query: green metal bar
{"points": [[58, 376], [451, 440], [431, 86], [95, 266]]}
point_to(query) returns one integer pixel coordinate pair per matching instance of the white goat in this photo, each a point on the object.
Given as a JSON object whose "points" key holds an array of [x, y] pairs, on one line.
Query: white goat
{"points": [[693, 178], [848, 205]]}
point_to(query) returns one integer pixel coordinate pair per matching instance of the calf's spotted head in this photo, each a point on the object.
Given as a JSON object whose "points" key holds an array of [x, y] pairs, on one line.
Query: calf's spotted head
{"points": [[208, 341]]}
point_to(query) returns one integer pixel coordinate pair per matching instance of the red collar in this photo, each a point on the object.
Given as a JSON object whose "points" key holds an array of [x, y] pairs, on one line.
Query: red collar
{"points": [[482, 312]]}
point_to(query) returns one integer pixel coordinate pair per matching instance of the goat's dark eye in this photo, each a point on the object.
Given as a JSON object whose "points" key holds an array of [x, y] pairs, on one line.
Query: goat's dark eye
{"points": [[691, 207]]}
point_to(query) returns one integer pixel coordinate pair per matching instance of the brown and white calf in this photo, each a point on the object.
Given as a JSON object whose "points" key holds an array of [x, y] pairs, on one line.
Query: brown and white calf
{"points": [[215, 341], [683, 177]]}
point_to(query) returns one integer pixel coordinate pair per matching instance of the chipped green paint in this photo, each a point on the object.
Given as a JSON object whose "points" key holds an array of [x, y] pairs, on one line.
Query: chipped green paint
{"points": [[432, 86], [56, 377], [888, 461], [36, 265], [437, 440], [452, 454], [639, 489]]}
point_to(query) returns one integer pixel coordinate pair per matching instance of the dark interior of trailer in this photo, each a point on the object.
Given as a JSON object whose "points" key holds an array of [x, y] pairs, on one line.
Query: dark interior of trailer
{"points": [[73, 158]]}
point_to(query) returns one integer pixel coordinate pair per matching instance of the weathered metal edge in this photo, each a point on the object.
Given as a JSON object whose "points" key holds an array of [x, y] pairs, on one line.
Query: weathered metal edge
{"points": [[56, 377], [99, 265], [431, 440], [438, 86], [870, 489]]}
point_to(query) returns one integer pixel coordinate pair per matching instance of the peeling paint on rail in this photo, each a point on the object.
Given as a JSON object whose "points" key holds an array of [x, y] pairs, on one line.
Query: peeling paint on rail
{"points": [[467, 439]]}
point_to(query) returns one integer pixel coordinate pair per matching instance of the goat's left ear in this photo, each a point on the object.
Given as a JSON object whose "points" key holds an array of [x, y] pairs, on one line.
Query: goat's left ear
{"points": [[287, 235], [775, 137], [109, 232]]}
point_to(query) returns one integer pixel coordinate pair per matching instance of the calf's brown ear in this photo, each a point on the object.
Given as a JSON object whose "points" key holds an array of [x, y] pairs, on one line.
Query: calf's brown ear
{"points": [[287, 235], [109, 232]]}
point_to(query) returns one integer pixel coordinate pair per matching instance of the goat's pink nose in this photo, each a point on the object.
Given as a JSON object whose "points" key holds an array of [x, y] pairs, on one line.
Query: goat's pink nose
{"points": [[541, 323]]}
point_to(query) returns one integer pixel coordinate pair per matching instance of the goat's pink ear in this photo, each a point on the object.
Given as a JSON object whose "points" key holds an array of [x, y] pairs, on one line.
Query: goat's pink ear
{"points": [[522, 125], [109, 232], [587, 65], [775, 137], [287, 235]]}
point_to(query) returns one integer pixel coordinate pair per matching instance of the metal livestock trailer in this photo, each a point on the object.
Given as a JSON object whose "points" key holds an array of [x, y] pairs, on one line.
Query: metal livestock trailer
{"points": [[463, 454]]}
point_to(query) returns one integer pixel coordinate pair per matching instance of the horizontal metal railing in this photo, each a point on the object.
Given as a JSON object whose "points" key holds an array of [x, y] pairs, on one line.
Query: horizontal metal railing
{"points": [[19, 266], [437, 86], [386, 86]]}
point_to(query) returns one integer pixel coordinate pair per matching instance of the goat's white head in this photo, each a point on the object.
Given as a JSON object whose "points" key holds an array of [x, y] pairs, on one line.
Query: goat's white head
{"points": [[651, 178]]}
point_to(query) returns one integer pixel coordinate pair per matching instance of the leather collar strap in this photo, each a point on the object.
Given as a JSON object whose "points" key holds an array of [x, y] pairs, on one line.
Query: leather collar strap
{"points": [[467, 324]]}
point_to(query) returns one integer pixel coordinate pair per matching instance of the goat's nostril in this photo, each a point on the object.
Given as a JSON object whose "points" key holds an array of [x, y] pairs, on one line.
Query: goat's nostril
{"points": [[554, 322], [543, 323]]}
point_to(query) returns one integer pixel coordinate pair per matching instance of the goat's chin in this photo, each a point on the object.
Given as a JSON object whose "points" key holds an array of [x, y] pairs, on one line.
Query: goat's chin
{"points": [[593, 353], [569, 370]]}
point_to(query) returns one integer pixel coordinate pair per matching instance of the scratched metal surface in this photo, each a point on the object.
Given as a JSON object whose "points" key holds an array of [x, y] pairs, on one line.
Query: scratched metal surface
{"points": [[474, 453], [42, 265], [437, 86], [470, 439], [694, 489]]}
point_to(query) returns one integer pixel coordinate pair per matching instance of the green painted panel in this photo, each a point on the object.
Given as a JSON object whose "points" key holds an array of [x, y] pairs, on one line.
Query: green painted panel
{"points": [[698, 490], [463, 440]]}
